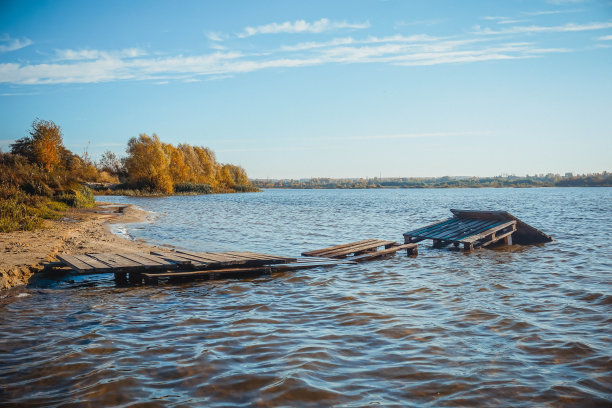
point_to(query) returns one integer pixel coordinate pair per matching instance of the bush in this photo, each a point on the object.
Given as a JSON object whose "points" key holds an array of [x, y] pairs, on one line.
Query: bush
{"points": [[80, 197], [245, 188], [16, 216], [195, 188]]}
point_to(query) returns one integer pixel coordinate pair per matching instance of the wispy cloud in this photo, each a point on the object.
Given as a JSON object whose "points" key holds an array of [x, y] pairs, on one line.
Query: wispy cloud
{"points": [[550, 12], [569, 27], [78, 55], [12, 44], [134, 64], [301, 26], [605, 38], [559, 2], [504, 20], [214, 36], [426, 23]]}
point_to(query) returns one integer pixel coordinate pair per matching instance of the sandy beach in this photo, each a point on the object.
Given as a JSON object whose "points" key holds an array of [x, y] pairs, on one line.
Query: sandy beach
{"points": [[79, 232]]}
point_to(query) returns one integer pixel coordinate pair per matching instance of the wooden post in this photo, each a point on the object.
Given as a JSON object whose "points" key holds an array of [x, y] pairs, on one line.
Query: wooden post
{"points": [[120, 278], [135, 278], [468, 246], [508, 240]]}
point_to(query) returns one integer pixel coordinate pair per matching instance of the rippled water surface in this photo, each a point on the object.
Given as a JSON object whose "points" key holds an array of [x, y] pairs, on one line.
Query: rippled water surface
{"points": [[526, 326]]}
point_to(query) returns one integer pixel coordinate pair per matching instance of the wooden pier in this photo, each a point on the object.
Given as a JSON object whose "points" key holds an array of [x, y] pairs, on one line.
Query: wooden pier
{"points": [[179, 264], [476, 229], [363, 250]]}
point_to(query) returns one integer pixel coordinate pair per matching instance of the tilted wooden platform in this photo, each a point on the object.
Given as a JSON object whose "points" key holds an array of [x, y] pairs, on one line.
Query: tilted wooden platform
{"points": [[474, 229], [363, 250]]}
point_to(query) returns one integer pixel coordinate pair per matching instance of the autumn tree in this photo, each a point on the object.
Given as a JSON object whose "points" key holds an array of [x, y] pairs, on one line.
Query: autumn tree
{"points": [[43, 146], [147, 163], [110, 163]]}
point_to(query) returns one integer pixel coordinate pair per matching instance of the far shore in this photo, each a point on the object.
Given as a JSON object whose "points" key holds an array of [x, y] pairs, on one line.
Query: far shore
{"points": [[80, 231]]}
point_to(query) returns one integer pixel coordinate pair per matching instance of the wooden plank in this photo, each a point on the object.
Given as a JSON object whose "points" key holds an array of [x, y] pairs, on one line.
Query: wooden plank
{"points": [[115, 261], [148, 263], [447, 227], [181, 260], [467, 228], [250, 258], [427, 227], [255, 255], [383, 252], [484, 234], [96, 264], [354, 249], [322, 260], [208, 272], [457, 227], [303, 265], [212, 258], [485, 226], [75, 263], [318, 251], [156, 258], [498, 238]]}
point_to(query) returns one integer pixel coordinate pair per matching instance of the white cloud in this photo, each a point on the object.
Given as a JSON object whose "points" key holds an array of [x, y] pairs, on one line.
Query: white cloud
{"points": [[133, 64], [78, 55], [569, 27], [503, 20], [550, 12], [605, 38], [214, 36], [301, 26], [12, 44], [559, 2]]}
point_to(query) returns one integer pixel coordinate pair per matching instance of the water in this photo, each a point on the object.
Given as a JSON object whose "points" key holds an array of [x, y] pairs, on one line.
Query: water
{"points": [[526, 326]]}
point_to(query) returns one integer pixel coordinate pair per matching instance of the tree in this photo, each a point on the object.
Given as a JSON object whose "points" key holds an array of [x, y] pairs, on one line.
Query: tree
{"points": [[147, 164], [44, 146], [110, 163]]}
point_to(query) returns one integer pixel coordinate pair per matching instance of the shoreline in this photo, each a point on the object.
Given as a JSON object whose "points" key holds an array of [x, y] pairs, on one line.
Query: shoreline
{"points": [[79, 232]]}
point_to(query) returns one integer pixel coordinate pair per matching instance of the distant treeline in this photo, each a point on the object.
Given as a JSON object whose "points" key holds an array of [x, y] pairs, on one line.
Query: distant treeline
{"points": [[550, 180], [40, 178]]}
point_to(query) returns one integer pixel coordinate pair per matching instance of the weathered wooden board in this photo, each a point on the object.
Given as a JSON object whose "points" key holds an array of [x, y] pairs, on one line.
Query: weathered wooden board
{"points": [[210, 273], [384, 252], [367, 248], [318, 252], [178, 259], [75, 263]]}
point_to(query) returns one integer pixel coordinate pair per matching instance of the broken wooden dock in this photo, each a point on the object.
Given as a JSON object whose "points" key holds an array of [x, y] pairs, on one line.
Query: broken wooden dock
{"points": [[476, 229], [150, 267], [363, 250]]}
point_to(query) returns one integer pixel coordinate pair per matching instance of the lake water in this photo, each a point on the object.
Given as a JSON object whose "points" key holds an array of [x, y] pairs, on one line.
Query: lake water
{"points": [[525, 326]]}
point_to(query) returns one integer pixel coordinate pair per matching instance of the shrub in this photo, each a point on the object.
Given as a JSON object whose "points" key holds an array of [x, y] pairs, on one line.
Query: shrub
{"points": [[16, 216], [196, 188], [80, 197]]}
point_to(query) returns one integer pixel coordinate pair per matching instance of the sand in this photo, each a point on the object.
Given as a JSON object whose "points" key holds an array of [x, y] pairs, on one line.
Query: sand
{"points": [[81, 231]]}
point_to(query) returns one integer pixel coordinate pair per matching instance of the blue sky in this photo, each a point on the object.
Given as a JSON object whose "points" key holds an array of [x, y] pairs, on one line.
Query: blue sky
{"points": [[292, 89]]}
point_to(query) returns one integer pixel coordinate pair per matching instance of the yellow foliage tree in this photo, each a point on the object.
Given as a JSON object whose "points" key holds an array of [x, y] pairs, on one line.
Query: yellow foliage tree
{"points": [[44, 145], [148, 165]]}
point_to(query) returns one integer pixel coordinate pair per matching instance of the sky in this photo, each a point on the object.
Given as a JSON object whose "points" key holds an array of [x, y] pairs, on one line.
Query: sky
{"points": [[299, 89]]}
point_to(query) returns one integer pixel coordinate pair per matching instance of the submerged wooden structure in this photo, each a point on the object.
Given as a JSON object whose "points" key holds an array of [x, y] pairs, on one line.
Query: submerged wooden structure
{"points": [[475, 229], [363, 250], [178, 264]]}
